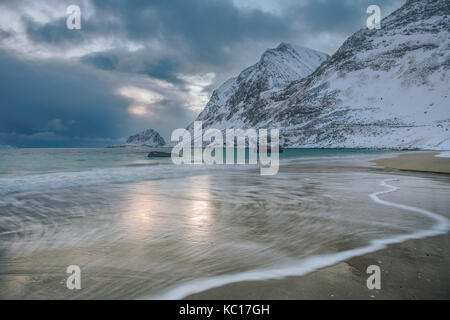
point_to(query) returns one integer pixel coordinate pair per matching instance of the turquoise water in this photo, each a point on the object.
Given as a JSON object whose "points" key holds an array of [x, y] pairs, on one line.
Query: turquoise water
{"points": [[24, 170], [31, 161]]}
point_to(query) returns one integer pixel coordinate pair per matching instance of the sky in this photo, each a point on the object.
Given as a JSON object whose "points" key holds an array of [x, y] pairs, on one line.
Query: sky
{"points": [[143, 64]]}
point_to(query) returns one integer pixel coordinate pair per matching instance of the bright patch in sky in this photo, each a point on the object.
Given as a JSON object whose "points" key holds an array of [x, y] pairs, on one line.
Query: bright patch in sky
{"points": [[197, 89], [141, 99], [137, 110], [140, 95]]}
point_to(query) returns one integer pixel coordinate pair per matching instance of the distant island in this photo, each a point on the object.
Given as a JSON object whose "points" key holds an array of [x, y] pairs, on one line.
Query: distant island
{"points": [[147, 138]]}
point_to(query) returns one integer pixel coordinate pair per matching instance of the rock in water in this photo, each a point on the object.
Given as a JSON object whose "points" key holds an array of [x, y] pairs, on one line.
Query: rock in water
{"points": [[159, 154]]}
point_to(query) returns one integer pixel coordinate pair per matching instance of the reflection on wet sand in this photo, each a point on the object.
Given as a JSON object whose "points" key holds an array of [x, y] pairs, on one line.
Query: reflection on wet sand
{"points": [[146, 211], [199, 211], [140, 211]]}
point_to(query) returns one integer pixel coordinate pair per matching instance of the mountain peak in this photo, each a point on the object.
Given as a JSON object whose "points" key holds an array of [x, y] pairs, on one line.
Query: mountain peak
{"points": [[280, 66], [383, 88], [277, 68], [283, 46], [282, 49]]}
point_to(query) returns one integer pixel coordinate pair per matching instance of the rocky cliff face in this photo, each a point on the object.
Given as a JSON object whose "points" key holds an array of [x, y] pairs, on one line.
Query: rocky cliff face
{"points": [[240, 101], [147, 138], [385, 88]]}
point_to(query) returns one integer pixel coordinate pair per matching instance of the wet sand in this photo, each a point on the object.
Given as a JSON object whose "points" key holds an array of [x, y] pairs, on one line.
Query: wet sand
{"points": [[153, 235], [423, 162], [415, 269]]}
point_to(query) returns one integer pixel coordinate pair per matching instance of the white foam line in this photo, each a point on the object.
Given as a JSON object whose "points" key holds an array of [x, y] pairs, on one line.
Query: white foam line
{"points": [[13, 231], [312, 263], [32, 229]]}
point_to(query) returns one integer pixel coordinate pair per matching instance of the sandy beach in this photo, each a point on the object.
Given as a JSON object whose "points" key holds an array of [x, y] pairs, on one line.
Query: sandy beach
{"points": [[422, 162], [308, 232], [414, 269]]}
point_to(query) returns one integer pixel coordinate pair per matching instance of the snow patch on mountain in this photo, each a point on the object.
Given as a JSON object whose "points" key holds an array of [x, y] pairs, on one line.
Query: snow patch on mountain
{"points": [[146, 138], [386, 88], [236, 101]]}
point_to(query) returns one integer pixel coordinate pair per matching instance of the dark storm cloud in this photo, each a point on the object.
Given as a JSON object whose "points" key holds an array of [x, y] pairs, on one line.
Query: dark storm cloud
{"points": [[141, 62], [199, 30], [102, 60], [51, 33], [204, 25], [56, 103], [337, 16], [164, 68], [72, 102], [39, 97], [56, 33], [205, 34], [5, 34], [196, 35]]}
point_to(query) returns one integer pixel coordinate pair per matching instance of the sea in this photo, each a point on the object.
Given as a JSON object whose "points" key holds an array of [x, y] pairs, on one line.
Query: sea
{"points": [[144, 228]]}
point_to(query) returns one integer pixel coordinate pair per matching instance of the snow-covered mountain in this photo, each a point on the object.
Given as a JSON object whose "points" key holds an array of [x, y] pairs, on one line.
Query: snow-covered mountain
{"points": [[146, 138], [240, 100], [386, 88]]}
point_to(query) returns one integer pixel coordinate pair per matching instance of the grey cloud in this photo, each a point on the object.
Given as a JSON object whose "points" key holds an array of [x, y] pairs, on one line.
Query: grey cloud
{"points": [[201, 36], [102, 60], [142, 62], [73, 102], [200, 30], [337, 16], [60, 103], [5, 34]]}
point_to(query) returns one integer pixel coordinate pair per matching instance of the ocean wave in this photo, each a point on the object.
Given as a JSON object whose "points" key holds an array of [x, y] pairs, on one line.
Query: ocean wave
{"points": [[58, 180]]}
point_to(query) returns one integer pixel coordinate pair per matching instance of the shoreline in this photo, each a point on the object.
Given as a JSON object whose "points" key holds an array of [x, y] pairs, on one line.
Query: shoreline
{"points": [[425, 161], [354, 232], [412, 268], [261, 284], [409, 270], [422, 270]]}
